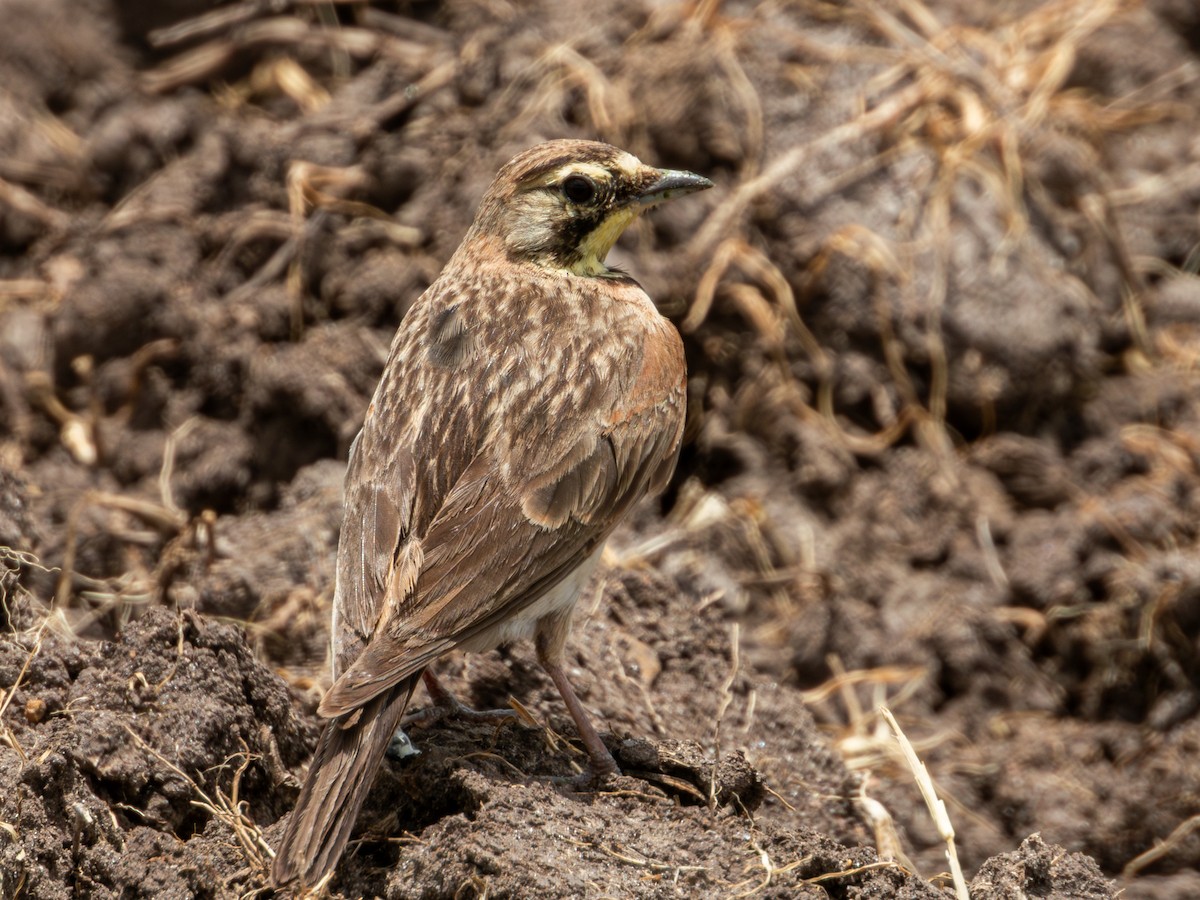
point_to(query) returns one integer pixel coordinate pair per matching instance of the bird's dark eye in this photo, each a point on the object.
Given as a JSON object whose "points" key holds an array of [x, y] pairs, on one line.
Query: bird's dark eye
{"points": [[578, 188]]}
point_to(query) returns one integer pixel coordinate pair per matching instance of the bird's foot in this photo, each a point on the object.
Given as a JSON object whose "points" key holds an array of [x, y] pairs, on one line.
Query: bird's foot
{"points": [[589, 780], [447, 706], [602, 772], [423, 718]]}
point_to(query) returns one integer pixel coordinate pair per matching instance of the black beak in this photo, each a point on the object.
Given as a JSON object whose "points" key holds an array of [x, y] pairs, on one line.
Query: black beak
{"points": [[670, 184]]}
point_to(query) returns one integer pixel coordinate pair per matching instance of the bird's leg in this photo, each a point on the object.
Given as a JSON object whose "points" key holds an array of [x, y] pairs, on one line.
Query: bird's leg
{"points": [[447, 706], [551, 638]]}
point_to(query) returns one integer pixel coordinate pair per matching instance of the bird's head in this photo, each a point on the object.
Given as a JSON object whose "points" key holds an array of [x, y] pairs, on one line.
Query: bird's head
{"points": [[563, 204]]}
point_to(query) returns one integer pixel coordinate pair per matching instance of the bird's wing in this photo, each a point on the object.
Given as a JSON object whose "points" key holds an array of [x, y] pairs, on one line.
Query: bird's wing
{"points": [[392, 496], [500, 541], [371, 532]]}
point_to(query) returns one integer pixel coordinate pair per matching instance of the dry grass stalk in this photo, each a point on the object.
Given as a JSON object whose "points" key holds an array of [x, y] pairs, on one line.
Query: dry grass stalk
{"points": [[323, 189], [6, 733], [722, 221], [77, 432], [33, 290], [227, 808], [770, 871], [290, 33], [641, 861], [29, 204], [937, 809], [847, 873], [980, 104], [887, 839], [556, 743], [131, 589], [1182, 831], [286, 76], [216, 20], [543, 89], [910, 677], [492, 757], [735, 662]]}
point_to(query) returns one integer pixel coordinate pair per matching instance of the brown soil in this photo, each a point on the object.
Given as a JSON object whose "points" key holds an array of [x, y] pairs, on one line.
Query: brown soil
{"points": [[942, 315]]}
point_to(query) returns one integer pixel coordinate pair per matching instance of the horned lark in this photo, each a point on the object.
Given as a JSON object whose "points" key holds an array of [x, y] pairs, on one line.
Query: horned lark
{"points": [[531, 397]]}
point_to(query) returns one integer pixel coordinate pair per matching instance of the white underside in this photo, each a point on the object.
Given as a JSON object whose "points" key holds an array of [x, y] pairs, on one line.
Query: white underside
{"points": [[559, 598]]}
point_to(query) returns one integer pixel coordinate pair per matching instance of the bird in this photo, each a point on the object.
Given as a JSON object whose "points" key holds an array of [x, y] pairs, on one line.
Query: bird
{"points": [[531, 396]]}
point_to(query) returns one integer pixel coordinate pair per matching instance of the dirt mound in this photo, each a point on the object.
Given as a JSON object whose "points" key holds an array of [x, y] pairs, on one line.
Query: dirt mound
{"points": [[110, 741], [941, 314], [158, 765]]}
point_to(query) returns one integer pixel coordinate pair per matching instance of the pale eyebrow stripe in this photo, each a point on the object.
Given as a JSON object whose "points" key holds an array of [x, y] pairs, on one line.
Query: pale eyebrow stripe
{"points": [[590, 169]]}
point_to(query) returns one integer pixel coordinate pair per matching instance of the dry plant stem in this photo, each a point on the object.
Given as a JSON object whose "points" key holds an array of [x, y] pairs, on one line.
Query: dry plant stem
{"points": [[937, 809], [721, 221], [318, 188], [6, 734], [770, 321], [168, 466], [769, 870], [854, 709], [1158, 851], [158, 517], [999, 125], [869, 867], [199, 26], [437, 77], [735, 653], [887, 839], [227, 809], [555, 742], [285, 32], [31, 289], [280, 260], [621, 855], [496, 758], [29, 204], [751, 103], [77, 433], [910, 677]]}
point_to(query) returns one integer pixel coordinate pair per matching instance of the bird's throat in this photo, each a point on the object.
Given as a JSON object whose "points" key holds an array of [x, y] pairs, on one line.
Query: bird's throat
{"points": [[594, 248]]}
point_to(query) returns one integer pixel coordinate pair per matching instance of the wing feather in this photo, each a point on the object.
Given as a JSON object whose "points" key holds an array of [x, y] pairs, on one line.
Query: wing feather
{"points": [[366, 553]]}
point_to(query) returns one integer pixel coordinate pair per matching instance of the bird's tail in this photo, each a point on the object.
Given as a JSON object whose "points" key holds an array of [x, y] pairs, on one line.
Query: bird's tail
{"points": [[339, 778]]}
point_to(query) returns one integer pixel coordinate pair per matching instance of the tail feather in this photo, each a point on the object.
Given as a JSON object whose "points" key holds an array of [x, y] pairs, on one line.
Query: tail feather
{"points": [[339, 778]]}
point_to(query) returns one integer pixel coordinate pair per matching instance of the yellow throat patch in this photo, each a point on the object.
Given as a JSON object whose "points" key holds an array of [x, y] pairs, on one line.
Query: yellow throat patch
{"points": [[601, 239]]}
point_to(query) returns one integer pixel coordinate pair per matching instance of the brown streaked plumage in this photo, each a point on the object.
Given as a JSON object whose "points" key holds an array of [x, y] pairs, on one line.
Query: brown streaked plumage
{"points": [[531, 397]]}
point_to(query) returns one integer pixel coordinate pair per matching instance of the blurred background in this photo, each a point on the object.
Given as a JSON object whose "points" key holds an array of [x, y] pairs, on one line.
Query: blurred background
{"points": [[942, 318]]}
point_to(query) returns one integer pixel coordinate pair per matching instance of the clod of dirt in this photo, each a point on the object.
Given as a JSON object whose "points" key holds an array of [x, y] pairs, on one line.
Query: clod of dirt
{"points": [[1037, 869], [131, 731]]}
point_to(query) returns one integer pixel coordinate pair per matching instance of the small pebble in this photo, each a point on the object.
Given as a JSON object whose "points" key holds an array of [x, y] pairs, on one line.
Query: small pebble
{"points": [[35, 711]]}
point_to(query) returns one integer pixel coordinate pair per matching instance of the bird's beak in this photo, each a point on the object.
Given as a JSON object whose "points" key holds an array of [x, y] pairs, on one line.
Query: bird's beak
{"points": [[670, 184]]}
